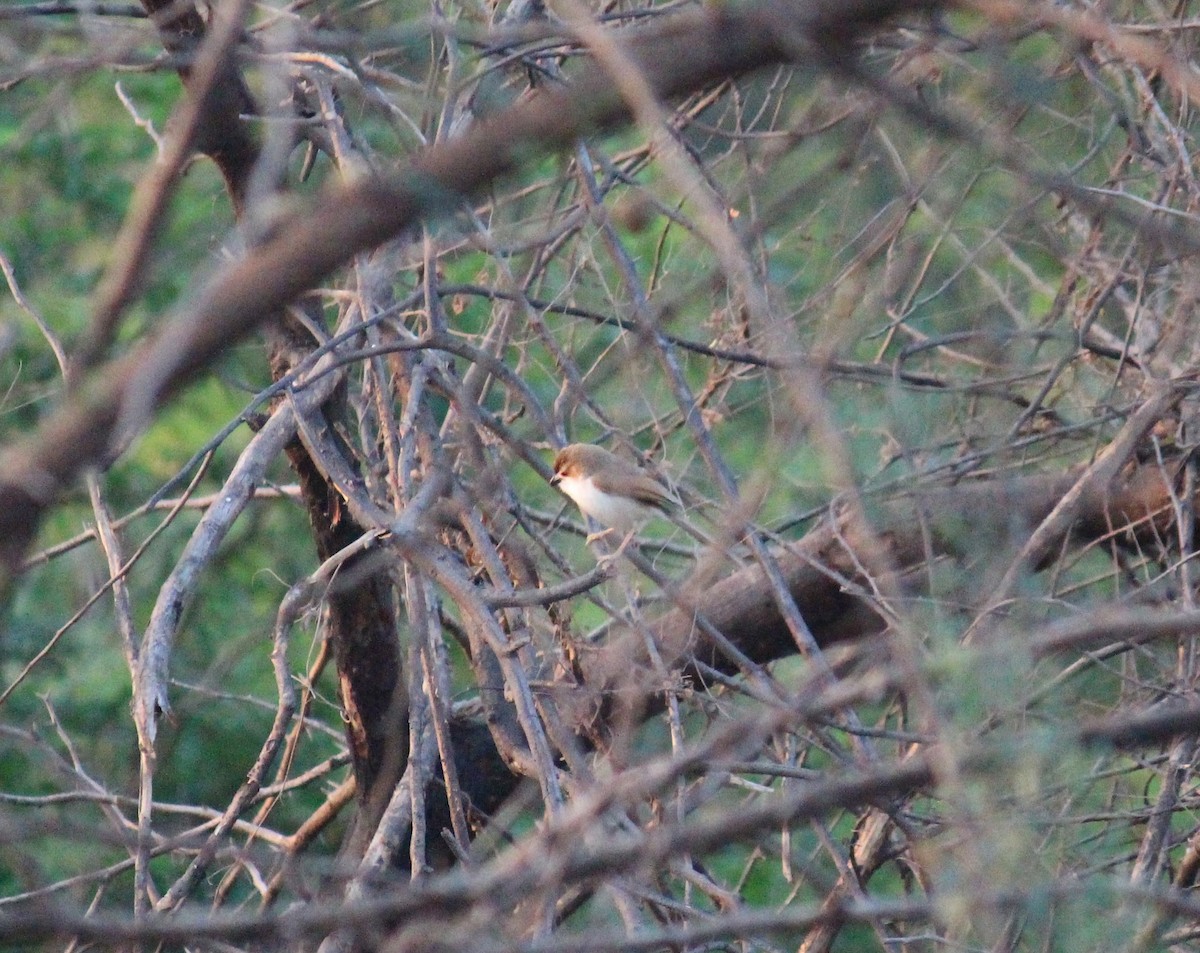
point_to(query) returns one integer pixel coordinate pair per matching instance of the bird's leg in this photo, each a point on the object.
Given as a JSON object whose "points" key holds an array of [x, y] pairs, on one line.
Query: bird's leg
{"points": [[592, 537], [609, 558]]}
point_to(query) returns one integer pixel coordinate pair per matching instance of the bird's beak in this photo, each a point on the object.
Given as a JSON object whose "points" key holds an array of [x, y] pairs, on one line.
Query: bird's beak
{"points": [[556, 479]]}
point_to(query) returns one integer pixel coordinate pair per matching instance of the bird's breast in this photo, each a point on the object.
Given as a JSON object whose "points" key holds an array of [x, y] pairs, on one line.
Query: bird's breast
{"points": [[619, 512]]}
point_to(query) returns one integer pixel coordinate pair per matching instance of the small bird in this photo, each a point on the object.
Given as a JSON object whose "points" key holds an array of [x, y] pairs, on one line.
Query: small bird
{"points": [[615, 493]]}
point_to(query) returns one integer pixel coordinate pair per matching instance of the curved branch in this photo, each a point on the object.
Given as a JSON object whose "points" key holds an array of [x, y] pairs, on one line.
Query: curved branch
{"points": [[687, 53]]}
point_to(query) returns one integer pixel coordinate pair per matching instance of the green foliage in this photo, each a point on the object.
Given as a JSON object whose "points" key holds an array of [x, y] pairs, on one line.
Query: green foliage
{"points": [[920, 318]]}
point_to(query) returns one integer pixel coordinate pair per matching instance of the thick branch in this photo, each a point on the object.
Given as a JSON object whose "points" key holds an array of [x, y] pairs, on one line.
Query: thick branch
{"points": [[685, 54], [822, 575], [822, 571]]}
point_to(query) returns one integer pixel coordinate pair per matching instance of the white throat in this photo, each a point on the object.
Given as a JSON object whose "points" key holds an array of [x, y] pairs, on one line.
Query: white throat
{"points": [[619, 512]]}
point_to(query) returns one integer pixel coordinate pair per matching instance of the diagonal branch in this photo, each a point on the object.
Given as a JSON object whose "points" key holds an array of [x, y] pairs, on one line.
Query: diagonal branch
{"points": [[682, 55]]}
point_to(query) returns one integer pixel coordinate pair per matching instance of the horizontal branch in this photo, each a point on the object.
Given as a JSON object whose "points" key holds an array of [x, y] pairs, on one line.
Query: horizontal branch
{"points": [[823, 573], [523, 871], [824, 577]]}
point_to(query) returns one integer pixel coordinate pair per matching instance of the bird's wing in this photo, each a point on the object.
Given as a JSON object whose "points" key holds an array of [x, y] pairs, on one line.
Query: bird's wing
{"points": [[652, 493], [645, 489]]}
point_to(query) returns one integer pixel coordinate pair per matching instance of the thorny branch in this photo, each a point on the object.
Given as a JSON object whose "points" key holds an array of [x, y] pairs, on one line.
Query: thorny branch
{"points": [[915, 347]]}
